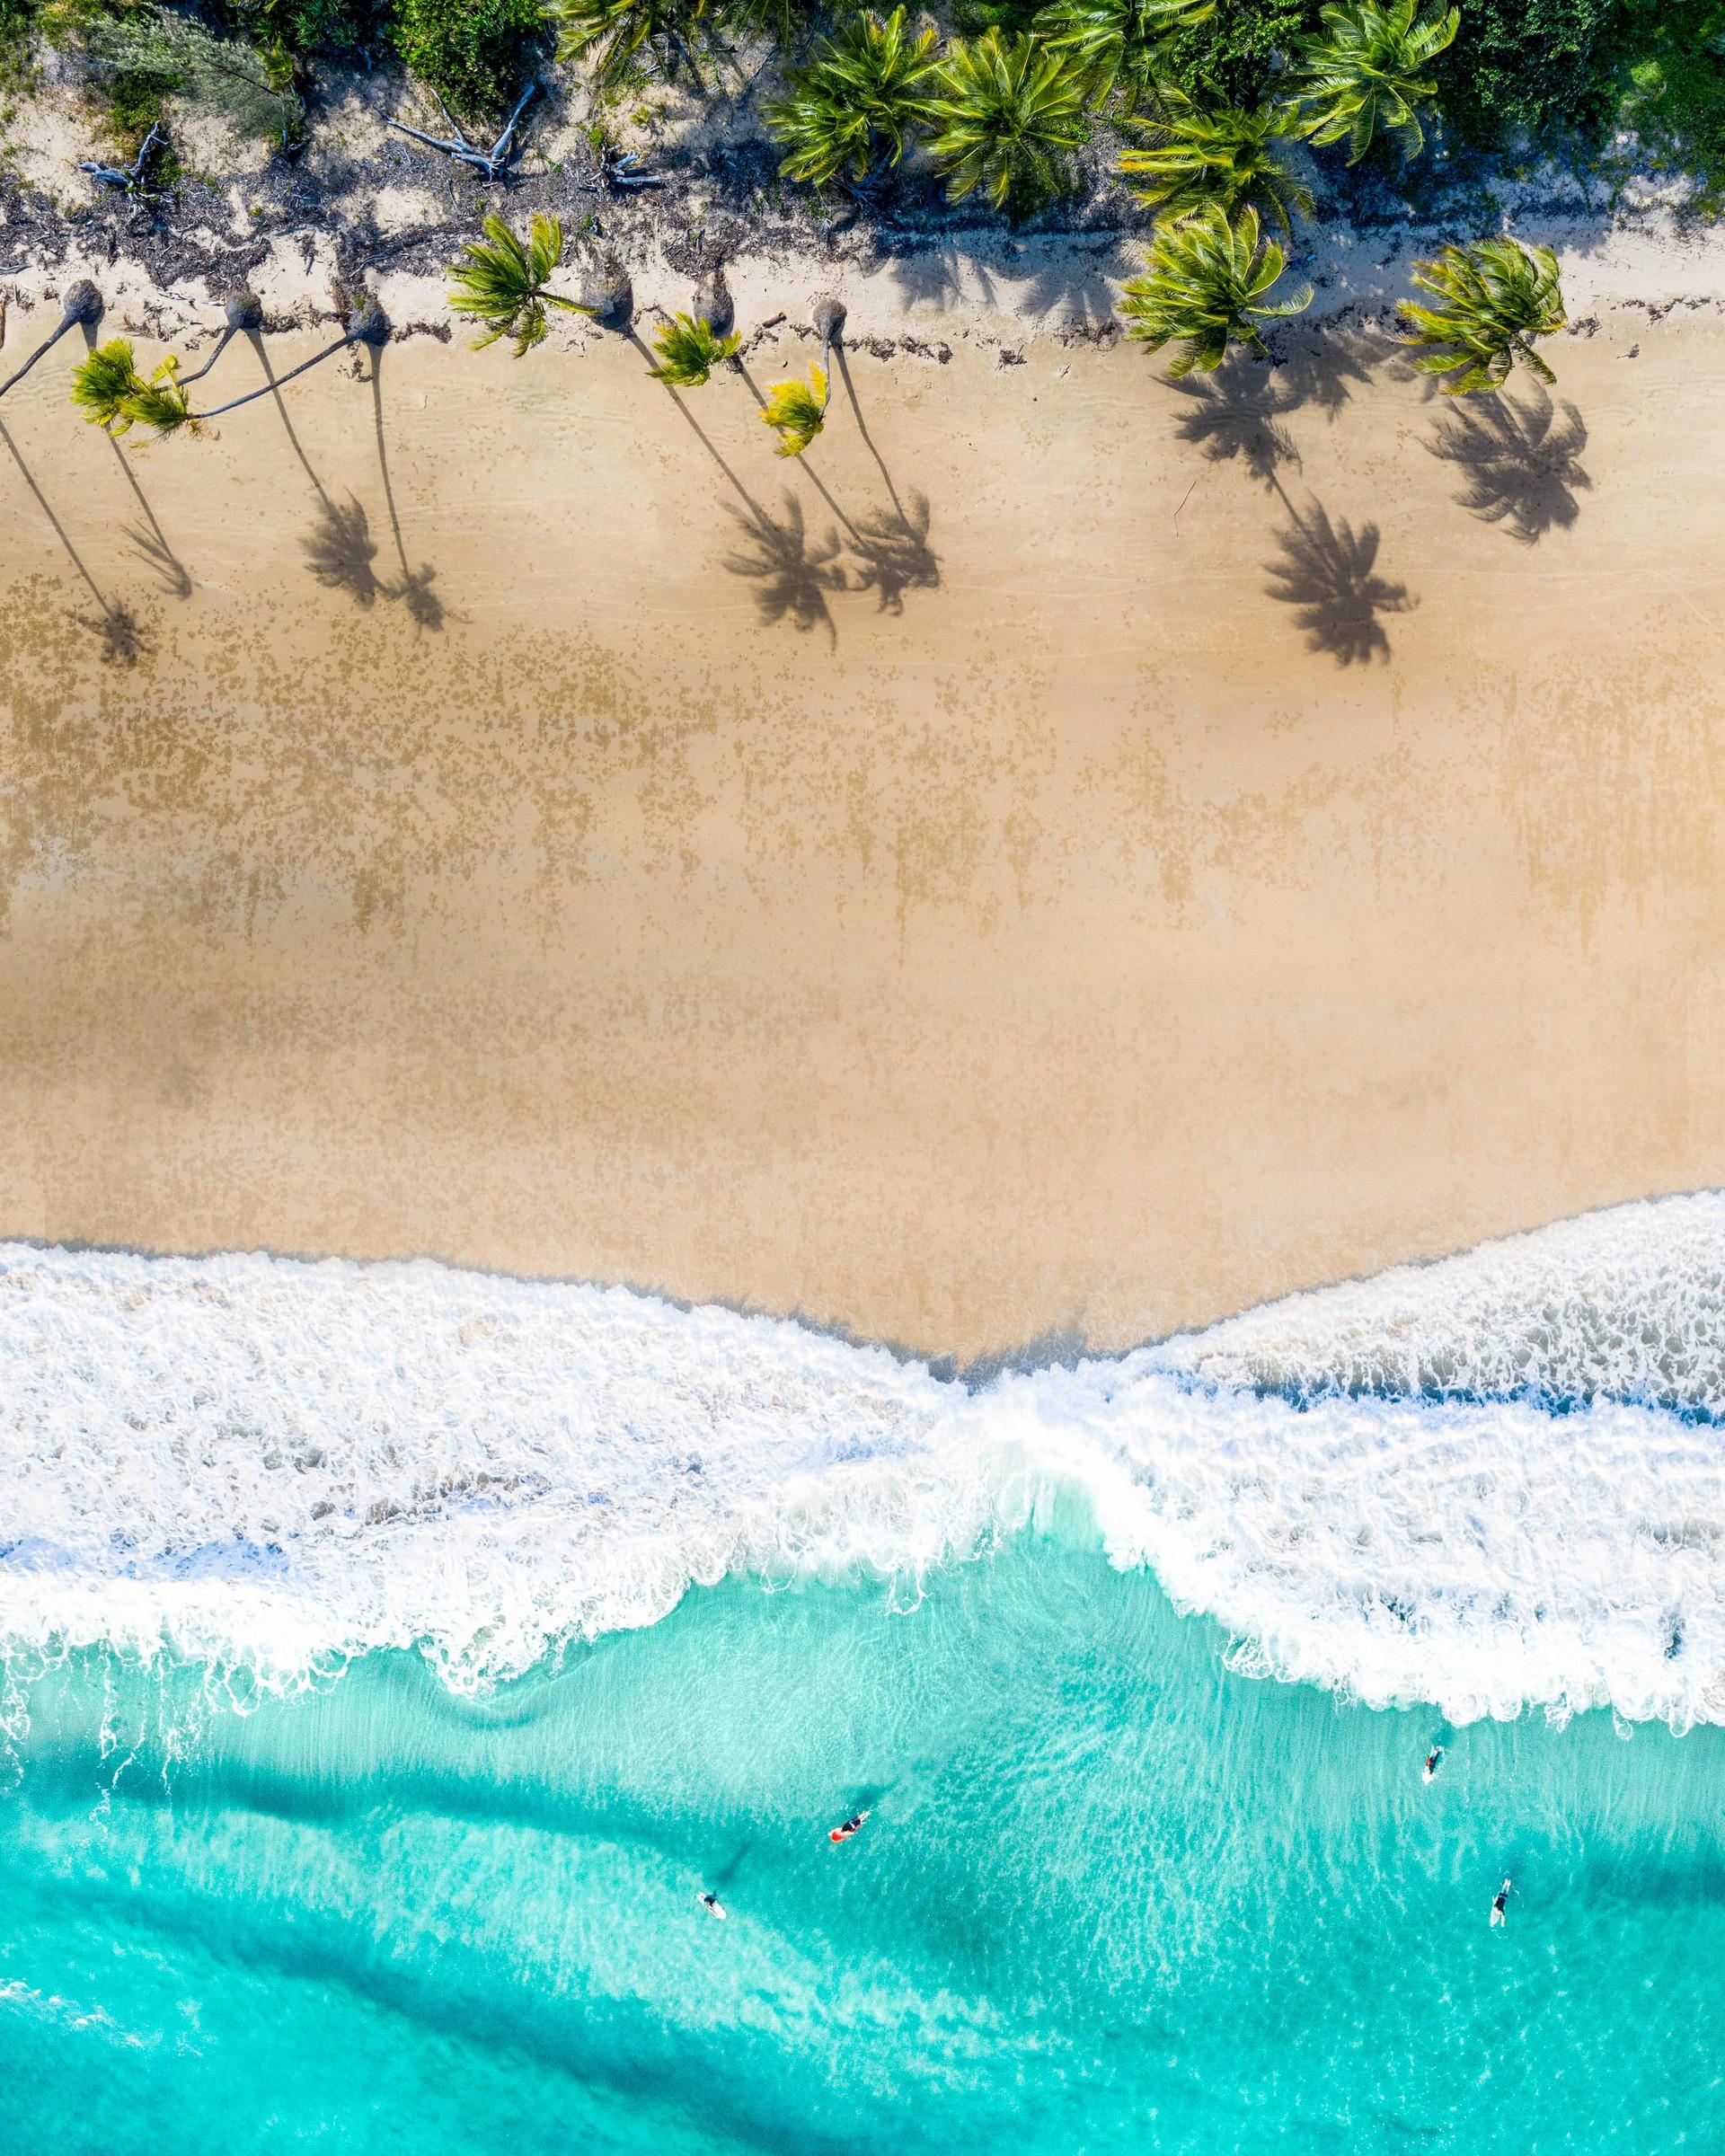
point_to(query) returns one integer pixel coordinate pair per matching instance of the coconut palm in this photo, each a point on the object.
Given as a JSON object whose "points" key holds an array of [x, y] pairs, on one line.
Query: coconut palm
{"points": [[861, 94], [689, 348], [503, 282], [617, 31], [111, 393], [160, 402], [796, 411], [243, 315], [1498, 295], [1206, 285], [608, 295], [81, 308], [1008, 118], [1116, 43], [1362, 73], [1195, 156]]}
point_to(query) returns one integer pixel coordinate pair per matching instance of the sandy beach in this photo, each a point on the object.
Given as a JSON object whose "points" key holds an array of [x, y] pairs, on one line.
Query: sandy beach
{"points": [[1074, 858]]}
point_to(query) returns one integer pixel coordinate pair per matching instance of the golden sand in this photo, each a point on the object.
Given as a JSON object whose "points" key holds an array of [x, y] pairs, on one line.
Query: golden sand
{"points": [[959, 891]]}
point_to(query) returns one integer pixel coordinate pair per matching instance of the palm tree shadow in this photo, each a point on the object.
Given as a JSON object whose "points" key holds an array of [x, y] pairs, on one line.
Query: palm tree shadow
{"points": [[1328, 574], [341, 552], [1319, 368], [123, 638], [793, 574], [893, 553], [148, 541], [1520, 460], [1235, 414], [422, 602]]}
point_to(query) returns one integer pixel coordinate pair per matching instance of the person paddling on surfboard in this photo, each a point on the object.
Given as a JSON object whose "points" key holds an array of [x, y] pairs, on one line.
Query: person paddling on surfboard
{"points": [[709, 1902], [850, 1826], [1434, 1760], [1499, 1915]]}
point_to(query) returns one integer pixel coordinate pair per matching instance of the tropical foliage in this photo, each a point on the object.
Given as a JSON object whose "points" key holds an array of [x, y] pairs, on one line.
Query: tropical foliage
{"points": [[1496, 296], [1206, 285], [1364, 77], [856, 105], [470, 52], [111, 395], [1116, 42], [689, 348], [502, 282], [614, 33], [1007, 119], [1195, 156], [796, 411]]}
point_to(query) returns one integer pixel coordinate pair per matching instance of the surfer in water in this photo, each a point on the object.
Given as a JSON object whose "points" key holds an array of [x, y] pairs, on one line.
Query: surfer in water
{"points": [[851, 1825], [1434, 1760], [711, 1902], [1499, 1915]]}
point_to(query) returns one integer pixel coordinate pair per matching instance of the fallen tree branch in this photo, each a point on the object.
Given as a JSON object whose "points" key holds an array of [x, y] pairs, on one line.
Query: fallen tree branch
{"points": [[455, 143], [128, 182]]}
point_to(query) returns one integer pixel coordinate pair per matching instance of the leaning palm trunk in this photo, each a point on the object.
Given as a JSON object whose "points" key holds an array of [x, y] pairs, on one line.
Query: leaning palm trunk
{"points": [[82, 307], [368, 324], [244, 314], [608, 295]]}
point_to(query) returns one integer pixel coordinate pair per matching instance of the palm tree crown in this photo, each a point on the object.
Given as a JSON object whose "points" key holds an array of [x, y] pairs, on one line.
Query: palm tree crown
{"points": [[1196, 156], [1498, 294], [796, 411], [1205, 286], [111, 395], [1008, 118], [502, 282], [1116, 41], [617, 30], [1361, 72], [689, 348], [856, 101]]}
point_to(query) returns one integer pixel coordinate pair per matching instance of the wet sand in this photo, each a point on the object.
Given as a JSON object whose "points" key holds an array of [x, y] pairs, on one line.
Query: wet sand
{"points": [[1195, 854]]}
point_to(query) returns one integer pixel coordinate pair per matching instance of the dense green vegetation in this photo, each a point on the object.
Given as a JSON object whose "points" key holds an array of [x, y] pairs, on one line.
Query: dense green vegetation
{"points": [[1001, 98]]}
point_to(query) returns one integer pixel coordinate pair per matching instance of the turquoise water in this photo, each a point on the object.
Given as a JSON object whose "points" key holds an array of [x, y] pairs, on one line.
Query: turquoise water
{"points": [[1112, 1896]]}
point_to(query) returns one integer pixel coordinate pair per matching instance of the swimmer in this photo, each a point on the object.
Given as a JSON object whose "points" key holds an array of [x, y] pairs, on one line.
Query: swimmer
{"points": [[843, 1834], [1434, 1760], [1499, 1917], [710, 1904]]}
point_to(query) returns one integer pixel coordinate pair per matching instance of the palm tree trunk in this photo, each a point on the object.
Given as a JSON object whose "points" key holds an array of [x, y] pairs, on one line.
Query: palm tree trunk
{"points": [[368, 327], [245, 313], [83, 304]]}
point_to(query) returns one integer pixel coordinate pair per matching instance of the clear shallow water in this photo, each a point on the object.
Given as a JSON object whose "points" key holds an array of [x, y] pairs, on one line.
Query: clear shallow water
{"points": [[1113, 1896]]}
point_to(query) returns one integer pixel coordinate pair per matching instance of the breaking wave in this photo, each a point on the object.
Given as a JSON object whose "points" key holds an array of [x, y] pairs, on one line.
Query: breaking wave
{"points": [[1486, 1483]]}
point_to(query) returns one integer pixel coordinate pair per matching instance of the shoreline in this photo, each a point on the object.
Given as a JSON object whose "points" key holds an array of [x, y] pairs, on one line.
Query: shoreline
{"points": [[1000, 922]]}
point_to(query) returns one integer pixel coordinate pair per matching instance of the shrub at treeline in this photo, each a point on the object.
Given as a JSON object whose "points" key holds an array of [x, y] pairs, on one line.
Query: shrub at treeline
{"points": [[1556, 75]]}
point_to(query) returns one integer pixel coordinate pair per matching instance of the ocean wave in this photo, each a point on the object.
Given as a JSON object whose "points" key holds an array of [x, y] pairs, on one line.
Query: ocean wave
{"points": [[1486, 1483]]}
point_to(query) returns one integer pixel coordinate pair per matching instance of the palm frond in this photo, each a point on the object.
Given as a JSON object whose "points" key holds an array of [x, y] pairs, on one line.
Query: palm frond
{"points": [[796, 411], [863, 93], [1117, 42], [613, 32], [1196, 156], [689, 348], [1498, 295], [1206, 285], [1008, 117], [1362, 76], [102, 382], [502, 280]]}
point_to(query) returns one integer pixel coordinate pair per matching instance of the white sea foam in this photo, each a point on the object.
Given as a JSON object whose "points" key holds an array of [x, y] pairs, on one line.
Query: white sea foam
{"points": [[1487, 1482]]}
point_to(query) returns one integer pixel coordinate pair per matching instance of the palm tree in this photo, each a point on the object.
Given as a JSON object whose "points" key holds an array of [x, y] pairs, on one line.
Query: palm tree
{"points": [[503, 282], [243, 315], [1117, 42], [1206, 285], [608, 295], [689, 348], [161, 401], [111, 393], [852, 107], [1231, 158], [81, 308], [797, 411], [1008, 118], [1362, 72], [618, 30], [1498, 295]]}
